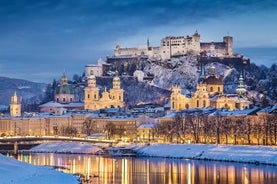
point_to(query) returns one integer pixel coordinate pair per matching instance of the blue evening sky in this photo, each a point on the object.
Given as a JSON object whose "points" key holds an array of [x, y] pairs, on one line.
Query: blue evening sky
{"points": [[39, 39]]}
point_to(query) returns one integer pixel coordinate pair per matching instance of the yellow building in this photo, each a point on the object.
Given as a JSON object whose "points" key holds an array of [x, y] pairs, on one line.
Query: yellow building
{"points": [[209, 93], [113, 98], [199, 99], [15, 105]]}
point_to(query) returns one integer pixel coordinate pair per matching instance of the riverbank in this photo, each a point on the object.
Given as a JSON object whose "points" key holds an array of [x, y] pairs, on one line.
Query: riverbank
{"points": [[68, 148], [16, 172], [228, 153]]}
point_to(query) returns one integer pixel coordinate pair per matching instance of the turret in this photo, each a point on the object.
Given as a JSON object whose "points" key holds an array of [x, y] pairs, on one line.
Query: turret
{"points": [[228, 40]]}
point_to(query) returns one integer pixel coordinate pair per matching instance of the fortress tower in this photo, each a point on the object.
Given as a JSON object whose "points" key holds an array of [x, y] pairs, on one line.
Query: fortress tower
{"points": [[15, 106], [229, 44]]}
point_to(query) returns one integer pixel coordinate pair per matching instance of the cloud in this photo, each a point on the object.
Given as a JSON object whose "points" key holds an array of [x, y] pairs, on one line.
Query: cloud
{"points": [[66, 31]]}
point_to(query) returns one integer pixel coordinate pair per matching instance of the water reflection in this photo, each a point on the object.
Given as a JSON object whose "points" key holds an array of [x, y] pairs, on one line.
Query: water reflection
{"points": [[154, 170]]}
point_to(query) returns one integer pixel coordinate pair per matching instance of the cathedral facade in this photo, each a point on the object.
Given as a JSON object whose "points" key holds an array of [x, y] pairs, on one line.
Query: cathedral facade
{"points": [[209, 93], [94, 101]]}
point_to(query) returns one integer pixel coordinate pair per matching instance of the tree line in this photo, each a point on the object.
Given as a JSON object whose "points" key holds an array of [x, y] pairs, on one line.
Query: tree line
{"points": [[197, 127]]}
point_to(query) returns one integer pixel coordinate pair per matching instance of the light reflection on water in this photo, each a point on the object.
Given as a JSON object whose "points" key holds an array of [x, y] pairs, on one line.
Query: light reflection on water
{"points": [[154, 170]]}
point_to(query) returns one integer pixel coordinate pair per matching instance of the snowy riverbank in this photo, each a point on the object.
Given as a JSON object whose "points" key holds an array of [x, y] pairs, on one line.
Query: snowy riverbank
{"points": [[13, 171], [234, 153], [68, 147]]}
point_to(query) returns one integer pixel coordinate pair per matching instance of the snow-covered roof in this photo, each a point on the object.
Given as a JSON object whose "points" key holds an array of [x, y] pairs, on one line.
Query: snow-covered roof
{"points": [[147, 126], [56, 104], [235, 112], [122, 118], [52, 104]]}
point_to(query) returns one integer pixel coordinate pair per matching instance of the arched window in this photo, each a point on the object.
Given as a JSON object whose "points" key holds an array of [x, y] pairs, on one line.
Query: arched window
{"points": [[197, 103], [218, 89], [88, 95], [187, 106], [211, 89], [204, 103], [173, 105], [95, 96]]}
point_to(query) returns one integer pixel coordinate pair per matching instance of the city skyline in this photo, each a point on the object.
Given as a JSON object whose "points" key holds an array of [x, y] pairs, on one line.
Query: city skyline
{"points": [[41, 39]]}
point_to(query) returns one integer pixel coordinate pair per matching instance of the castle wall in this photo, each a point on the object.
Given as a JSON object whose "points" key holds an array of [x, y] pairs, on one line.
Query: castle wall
{"points": [[180, 45]]}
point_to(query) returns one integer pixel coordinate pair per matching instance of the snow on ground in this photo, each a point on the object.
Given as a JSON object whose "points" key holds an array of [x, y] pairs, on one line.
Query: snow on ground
{"points": [[13, 171], [66, 147], [236, 153], [253, 154]]}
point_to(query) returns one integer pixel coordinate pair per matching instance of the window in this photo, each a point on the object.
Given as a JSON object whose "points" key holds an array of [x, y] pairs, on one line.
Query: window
{"points": [[218, 89], [88, 95], [71, 99], [211, 89], [204, 103], [119, 97], [187, 106], [197, 103], [57, 100], [63, 99], [95, 96]]}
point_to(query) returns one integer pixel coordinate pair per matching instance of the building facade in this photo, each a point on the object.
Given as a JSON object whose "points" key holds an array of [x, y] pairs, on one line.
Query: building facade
{"points": [[112, 98], [209, 92]]}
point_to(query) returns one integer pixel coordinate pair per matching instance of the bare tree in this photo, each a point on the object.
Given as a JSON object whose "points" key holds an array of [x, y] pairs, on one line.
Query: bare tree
{"points": [[110, 130], [69, 131], [89, 126]]}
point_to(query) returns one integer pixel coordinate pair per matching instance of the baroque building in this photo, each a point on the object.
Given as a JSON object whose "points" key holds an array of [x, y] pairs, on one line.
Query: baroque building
{"points": [[112, 98], [64, 92], [209, 93], [15, 105], [180, 45]]}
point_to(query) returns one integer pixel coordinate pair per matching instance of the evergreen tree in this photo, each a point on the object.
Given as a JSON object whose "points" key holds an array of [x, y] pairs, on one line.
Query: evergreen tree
{"points": [[273, 81]]}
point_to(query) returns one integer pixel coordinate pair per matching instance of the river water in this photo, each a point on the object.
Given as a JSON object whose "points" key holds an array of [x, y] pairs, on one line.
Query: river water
{"points": [[134, 170]]}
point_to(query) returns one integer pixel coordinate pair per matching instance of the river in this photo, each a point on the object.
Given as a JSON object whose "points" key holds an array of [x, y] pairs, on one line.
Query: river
{"points": [[137, 170]]}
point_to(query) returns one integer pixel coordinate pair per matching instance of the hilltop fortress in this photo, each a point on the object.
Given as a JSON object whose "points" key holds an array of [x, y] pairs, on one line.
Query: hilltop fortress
{"points": [[172, 46]]}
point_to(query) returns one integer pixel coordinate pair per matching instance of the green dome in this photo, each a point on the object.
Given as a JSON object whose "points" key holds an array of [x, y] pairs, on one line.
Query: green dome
{"points": [[64, 89]]}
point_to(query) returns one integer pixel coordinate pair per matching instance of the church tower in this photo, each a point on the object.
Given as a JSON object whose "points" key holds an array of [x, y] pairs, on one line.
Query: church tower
{"points": [[241, 88], [116, 93], [91, 93], [15, 105]]}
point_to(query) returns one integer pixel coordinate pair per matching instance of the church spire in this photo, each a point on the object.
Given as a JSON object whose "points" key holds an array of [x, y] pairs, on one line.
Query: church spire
{"points": [[241, 87]]}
